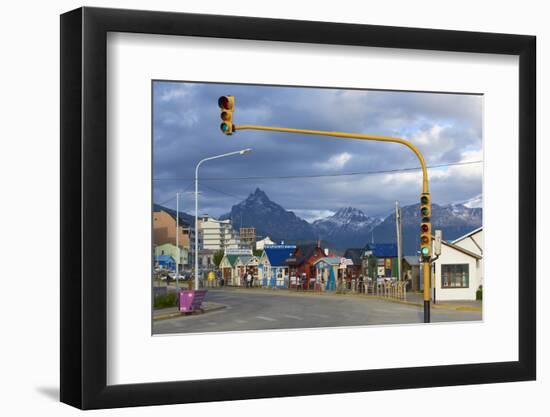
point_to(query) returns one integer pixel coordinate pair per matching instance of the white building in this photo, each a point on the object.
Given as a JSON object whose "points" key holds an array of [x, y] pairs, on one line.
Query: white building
{"points": [[217, 234], [458, 270], [473, 242], [260, 244]]}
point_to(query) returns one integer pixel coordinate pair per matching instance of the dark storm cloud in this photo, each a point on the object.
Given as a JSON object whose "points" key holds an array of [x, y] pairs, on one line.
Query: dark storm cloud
{"points": [[447, 129]]}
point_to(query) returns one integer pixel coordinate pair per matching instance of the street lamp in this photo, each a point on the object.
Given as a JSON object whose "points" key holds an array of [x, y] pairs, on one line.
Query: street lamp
{"points": [[241, 152]]}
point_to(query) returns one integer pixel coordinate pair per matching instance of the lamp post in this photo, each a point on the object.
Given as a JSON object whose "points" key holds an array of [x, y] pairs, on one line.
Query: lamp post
{"points": [[241, 152]]}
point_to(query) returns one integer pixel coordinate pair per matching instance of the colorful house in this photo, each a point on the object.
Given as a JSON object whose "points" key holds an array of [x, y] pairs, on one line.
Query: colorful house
{"points": [[301, 264], [165, 262], [274, 269], [326, 272], [246, 264], [381, 260], [227, 268]]}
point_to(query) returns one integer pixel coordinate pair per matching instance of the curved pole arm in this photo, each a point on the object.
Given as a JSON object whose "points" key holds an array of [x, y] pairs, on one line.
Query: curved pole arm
{"points": [[411, 146]]}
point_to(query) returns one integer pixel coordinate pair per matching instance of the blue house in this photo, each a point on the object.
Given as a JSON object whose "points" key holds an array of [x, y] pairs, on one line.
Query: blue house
{"points": [[165, 262], [273, 265]]}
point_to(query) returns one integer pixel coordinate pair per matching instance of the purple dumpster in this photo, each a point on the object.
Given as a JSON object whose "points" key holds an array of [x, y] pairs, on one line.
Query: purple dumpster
{"points": [[191, 300]]}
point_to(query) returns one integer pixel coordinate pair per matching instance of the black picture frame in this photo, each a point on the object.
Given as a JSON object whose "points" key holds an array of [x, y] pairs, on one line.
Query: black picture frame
{"points": [[84, 207]]}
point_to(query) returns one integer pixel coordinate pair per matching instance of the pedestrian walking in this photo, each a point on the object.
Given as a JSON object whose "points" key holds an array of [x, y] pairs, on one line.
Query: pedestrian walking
{"points": [[248, 280]]}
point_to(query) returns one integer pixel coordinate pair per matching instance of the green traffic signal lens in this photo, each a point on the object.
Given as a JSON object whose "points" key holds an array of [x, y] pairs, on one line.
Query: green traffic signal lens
{"points": [[425, 211], [425, 251], [224, 127]]}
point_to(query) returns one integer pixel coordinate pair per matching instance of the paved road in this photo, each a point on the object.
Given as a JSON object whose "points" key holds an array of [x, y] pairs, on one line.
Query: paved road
{"points": [[260, 310]]}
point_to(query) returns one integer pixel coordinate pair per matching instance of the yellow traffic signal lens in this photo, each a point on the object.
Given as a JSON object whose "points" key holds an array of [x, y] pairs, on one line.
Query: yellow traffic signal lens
{"points": [[226, 116], [425, 240]]}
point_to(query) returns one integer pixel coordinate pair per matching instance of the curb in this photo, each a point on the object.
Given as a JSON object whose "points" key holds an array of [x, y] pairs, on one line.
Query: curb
{"points": [[180, 314]]}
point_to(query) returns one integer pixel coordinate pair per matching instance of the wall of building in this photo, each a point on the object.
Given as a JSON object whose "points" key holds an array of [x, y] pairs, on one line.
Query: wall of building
{"points": [[170, 250], [468, 244], [451, 256], [164, 230]]}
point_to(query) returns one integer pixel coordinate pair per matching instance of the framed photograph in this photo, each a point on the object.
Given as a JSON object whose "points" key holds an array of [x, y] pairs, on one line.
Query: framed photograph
{"points": [[258, 208]]}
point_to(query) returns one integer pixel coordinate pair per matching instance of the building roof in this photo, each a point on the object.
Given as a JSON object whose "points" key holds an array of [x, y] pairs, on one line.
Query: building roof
{"points": [[278, 255], [245, 259], [331, 260], [306, 250], [461, 249], [164, 258], [473, 232], [355, 254], [185, 220], [412, 260], [382, 250], [231, 259]]}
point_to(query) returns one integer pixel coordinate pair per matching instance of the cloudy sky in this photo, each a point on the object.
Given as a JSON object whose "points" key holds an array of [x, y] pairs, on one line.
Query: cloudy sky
{"points": [[447, 128]]}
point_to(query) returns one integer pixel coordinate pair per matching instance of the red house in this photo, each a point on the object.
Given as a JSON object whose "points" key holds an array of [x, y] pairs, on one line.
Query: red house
{"points": [[301, 265]]}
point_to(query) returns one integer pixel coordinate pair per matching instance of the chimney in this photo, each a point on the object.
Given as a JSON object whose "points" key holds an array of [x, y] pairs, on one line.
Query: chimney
{"points": [[326, 251]]}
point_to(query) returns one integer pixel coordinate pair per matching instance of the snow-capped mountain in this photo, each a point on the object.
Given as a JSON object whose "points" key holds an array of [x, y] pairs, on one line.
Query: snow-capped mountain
{"points": [[348, 227], [475, 202], [454, 220]]}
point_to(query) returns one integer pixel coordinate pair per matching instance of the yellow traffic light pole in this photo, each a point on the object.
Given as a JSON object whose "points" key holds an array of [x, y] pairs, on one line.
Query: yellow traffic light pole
{"points": [[412, 147]]}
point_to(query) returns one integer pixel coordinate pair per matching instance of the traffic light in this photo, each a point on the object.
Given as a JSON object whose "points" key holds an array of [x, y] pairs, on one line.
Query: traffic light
{"points": [[227, 106], [425, 227]]}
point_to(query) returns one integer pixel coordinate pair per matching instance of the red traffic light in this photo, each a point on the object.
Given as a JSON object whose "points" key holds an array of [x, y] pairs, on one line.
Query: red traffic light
{"points": [[225, 103], [424, 228]]}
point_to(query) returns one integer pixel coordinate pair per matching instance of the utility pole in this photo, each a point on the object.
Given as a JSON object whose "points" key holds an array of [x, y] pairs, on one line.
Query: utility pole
{"points": [[398, 232]]}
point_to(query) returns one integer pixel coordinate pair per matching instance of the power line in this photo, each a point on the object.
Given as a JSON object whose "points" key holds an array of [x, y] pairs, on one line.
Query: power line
{"points": [[174, 197], [276, 177]]}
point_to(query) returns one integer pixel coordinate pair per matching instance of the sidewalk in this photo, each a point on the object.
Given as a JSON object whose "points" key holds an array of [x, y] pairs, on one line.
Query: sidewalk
{"points": [[414, 299], [171, 312]]}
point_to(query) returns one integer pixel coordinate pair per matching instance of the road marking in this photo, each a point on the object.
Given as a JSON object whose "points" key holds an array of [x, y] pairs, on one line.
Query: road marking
{"points": [[265, 318], [292, 317]]}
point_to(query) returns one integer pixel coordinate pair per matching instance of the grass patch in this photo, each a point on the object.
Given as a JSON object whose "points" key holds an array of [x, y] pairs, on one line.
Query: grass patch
{"points": [[165, 300]]}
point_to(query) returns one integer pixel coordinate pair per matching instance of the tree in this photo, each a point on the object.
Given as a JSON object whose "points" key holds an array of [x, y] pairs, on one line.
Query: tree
{"points": [[218, 256]]}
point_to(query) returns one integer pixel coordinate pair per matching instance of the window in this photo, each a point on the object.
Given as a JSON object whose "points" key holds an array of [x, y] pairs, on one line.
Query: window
{"points": [[455, 276]]}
